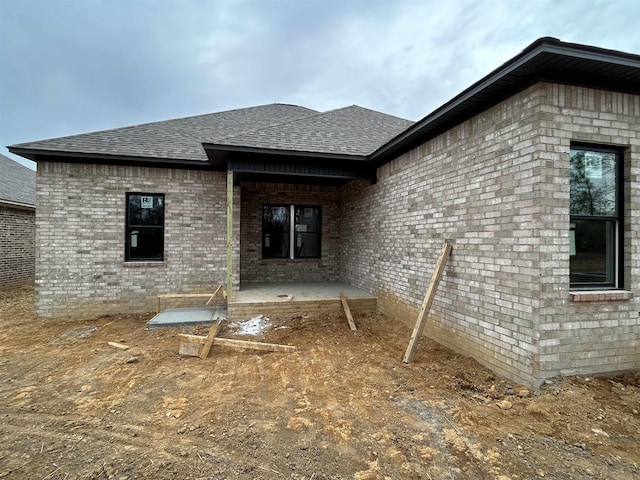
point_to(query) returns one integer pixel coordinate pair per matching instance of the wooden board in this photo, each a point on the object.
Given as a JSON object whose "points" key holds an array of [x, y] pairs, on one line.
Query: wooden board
{"points": [[347, 311], [426, 304], [230, 234], [188, 340], [190, 348], [184, 295], [213, 295], [213, 331], [271, 347], [209, 296]]}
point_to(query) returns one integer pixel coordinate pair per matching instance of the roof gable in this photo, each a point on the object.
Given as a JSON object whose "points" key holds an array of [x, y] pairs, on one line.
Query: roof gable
{"points": [[17, 183]]}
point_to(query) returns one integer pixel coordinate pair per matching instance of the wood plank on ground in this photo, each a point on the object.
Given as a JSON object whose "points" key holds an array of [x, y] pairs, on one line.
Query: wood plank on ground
{"points": [[272, 347], [347, 311], [187, 339], [426, 304]]}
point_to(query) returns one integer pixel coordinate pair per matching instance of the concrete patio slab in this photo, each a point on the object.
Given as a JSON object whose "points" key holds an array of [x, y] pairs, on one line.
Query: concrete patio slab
{"points": [[187, 317]]}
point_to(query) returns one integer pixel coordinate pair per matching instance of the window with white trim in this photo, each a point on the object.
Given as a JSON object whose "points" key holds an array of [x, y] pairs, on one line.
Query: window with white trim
{"points": [[596, 217], [291, 231]]}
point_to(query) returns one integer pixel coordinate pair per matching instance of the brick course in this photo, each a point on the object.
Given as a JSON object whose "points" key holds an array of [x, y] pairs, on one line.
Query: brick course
{"points": [[17, 246]]}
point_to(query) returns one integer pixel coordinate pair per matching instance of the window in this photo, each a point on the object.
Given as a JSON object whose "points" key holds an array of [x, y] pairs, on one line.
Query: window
{"points": [[276, 224], [144, 239], [596, 217], [291, 231]]}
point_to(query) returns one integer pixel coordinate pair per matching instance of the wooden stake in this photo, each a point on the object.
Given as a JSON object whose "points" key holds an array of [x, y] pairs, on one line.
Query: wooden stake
{"points": [[426, 304], [213, 295], [347, 311], [213, 331]]}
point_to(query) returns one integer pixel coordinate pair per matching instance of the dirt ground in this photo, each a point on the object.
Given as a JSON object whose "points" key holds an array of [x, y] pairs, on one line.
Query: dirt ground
{"points": [[343, 406]]}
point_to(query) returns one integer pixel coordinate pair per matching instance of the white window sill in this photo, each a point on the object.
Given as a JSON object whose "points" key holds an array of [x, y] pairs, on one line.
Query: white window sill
{"points": [[142, 264], [600, 295]]}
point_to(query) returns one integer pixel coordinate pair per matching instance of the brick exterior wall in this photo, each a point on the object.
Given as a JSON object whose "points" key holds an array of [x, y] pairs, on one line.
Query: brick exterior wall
{"points": [[255, 269], [17, 246], [497, 185], [80, 268]]}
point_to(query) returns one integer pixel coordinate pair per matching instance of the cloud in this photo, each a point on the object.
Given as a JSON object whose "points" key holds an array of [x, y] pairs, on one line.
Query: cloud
{"points": [[73, 66]]}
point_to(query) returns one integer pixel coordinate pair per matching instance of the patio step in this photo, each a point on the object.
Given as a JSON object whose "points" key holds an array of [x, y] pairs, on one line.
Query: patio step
{"points": [[243, 310]]}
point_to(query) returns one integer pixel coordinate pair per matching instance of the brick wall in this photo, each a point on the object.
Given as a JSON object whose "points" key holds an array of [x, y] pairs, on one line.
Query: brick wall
{"points": [[253, 269], [80, 269], [17, 246], [587, 337], [497, 185]]}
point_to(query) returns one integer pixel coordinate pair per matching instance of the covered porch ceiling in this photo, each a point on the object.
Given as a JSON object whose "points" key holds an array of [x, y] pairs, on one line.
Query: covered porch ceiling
{"points": [[281, 166]]}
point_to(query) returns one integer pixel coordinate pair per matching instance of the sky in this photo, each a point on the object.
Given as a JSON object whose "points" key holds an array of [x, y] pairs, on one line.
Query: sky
{"points": [[75, 66]]}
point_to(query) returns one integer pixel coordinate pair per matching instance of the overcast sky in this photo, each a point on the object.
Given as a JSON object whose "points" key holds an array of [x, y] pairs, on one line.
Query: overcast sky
{"points": [[75, 66]]}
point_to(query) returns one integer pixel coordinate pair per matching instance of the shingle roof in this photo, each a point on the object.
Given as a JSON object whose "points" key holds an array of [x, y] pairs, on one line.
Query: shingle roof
{"points": [[352, 130], [179, 139], [17, 182]]}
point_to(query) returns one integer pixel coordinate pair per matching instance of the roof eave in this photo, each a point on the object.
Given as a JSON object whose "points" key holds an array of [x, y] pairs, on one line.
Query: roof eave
{"points": [[227, 149], [417, 132], [17, 205], [52, 155]]}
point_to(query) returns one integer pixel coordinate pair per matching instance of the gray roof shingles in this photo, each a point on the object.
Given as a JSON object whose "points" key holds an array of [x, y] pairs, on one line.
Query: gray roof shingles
{"points": [[178, 139], [17, 182], [351, 130]]}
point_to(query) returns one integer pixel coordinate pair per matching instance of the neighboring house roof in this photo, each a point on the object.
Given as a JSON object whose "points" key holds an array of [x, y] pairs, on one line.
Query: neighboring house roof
{"points": [[17, 183]]}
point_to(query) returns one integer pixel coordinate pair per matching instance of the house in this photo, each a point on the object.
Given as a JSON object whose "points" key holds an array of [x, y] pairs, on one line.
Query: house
{"points": [[17, 223], [532, 173]]}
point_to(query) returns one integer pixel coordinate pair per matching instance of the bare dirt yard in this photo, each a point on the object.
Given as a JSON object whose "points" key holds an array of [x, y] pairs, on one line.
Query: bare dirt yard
{"points": [[343, 406]]}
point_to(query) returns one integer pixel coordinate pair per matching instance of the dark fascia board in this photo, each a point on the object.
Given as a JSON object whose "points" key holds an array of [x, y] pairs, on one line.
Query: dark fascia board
{"points": [[286, 163], [302, 175], [105, 158], [213, 148], [460, 107], [291, 179], [17, 205]]}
